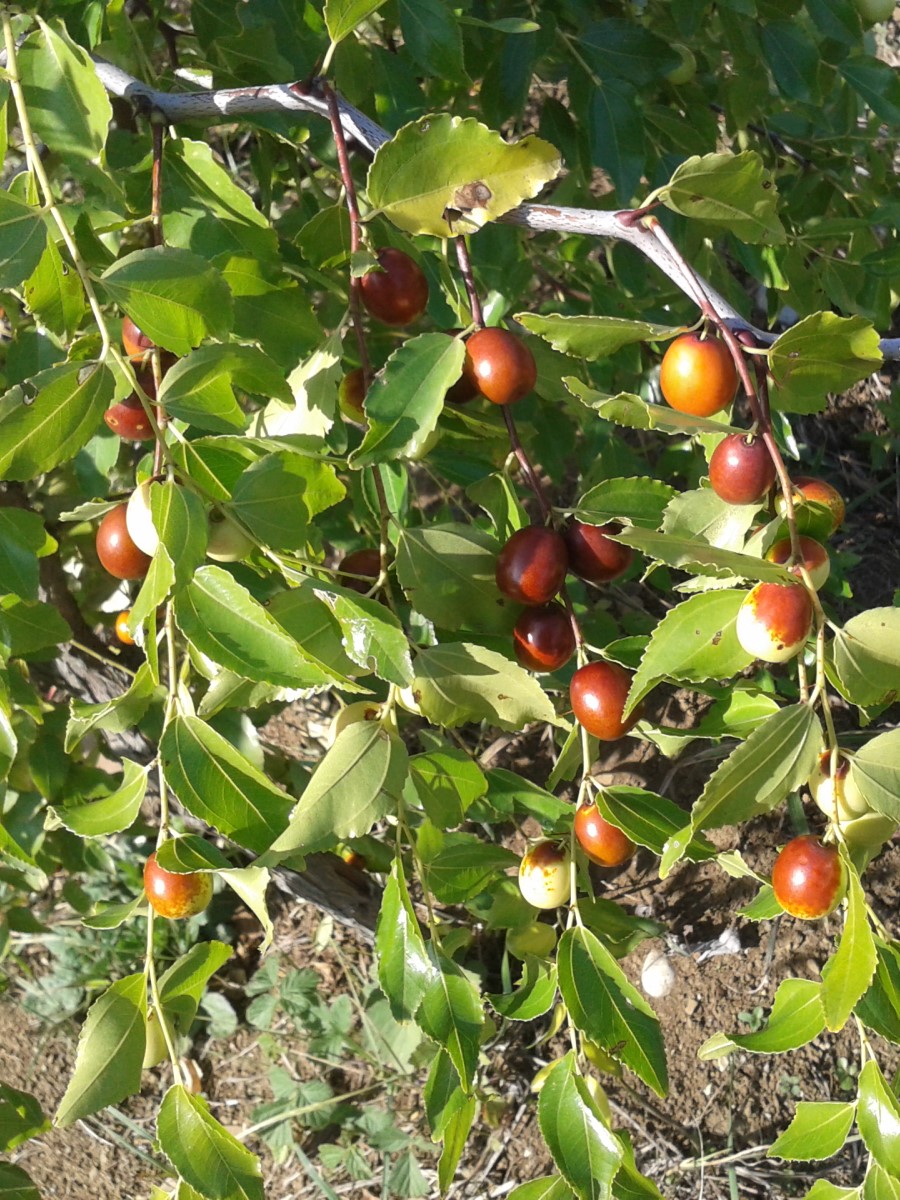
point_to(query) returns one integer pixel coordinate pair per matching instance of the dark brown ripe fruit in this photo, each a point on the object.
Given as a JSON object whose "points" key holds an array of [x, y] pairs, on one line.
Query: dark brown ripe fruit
{"points": [[464, 390], [543, 639], [174, 895], [129, 420], [698, 375], [593, 555], [499, 365], [352, 393], [531, 567], [398, 293], [135, 341], [116, 550], [367, 563], [598, 692], [815, 558], [741, 470], [817, 490], [122, 631], [808, 878], [602, 842]]}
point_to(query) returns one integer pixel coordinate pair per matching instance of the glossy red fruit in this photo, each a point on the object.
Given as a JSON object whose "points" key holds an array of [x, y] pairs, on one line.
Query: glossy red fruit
{"points": [[741, 470], [365, 562], [598, 692], [544, 876], [602, 842], [774, 621], [174, 895], [808, 878], [499, 365], [117, 552], [817, 490], [815, 558], [698, 375], [398, 293], [128, 419], [531, 567], [543, 639], [135, 341], [122, 631], [593, 555]]}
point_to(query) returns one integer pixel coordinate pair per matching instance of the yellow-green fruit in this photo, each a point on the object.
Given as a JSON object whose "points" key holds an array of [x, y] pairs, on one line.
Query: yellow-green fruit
{"points": [[544, 875], [686, 69], [139, 521], [155, 1050], [535, 938], [352, 714], [873, 11], [838, 795], [870, 831], [226, 543]]}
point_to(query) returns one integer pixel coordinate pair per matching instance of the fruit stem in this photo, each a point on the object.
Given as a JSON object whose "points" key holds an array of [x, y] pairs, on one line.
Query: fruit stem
{"points": [[465, 266], [156, 191], [150, 972], [36, 165], [525, 463]]}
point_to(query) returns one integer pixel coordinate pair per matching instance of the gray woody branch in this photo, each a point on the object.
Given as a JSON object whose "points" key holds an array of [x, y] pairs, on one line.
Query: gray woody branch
{"points": [[229, 103]]}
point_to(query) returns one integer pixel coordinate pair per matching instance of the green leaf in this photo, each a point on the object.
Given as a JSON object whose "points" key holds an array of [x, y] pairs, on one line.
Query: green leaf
{"points": [[847, 974], [112, 813], [15, 1184], [876, 83], [40, 433], [617, 135], [456, 1133], [343, 16], [878, 1118], [464, 866], [638, 501], [21, 1118], [876, 772], [594, 336], [648, 819], [251, 885], [216, 783], [634, 413], [224, 621], [23, 236], [67, 104], [199, 388], [432, 36], [407, 396], [695, 641], [817, 1131], [404, 968], [796, 1018], [278, 496], [626, 50], [358, 782], [699, 557], [447, 782], [372, 636], [110, 1051], [204, 1154], [820, 354], [29, 628], [610, 1010], [180, 520], [311, 623], [115, 716], [880, 1006], [53, 292], [776, 758], [447, 572], [23, 540], [459, 682], [446, 175], [551, 1187], [879, 1184], [450, 1014], [174, 296], [732, 190], [586, 1153], [867, 656], [533, 995], [182, 985]]}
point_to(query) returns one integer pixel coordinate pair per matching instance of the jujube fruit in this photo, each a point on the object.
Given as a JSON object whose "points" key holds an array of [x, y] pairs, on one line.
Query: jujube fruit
{"points": [[352, 393], [536, 938], [698, 375], [225, 541], [815, 558], [808, 878], [741, 470], [837, 795], [176, 895], [603, 842], [805, 487], [139, 519], [598, 692], [123, 633], [128, 419], [116, 550], [543, 638], [544, 876], [593, 555], [366, 563], [398, 293], [531, 566], [137, 344], [775, 621], [499, 365]]}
